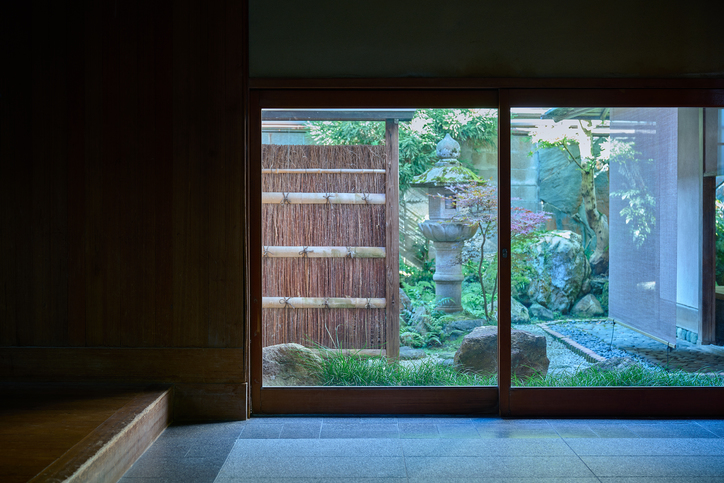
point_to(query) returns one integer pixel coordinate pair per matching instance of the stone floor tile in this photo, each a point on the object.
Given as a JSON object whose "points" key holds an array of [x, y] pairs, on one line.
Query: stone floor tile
{"points": [[343, 426], [503, 480], [418, 430], [281, 466], [518, 432], [574, 430], [485, 447], [174, 479], [306, 430], [226, 430], [180, 468], [457, 431], [647, 447], [497, 467], [658, 479], [262, 431], [356, 433], [655, 466], [715, 426], [317, 447], [214, 449], [310, 480], [663, 430], [435, 420], [271, 419], [613, 431]]}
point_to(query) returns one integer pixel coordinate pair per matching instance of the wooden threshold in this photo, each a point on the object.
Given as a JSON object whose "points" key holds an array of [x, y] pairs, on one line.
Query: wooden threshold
{"points": [[77, 433], [379, 400], [620, 402]]}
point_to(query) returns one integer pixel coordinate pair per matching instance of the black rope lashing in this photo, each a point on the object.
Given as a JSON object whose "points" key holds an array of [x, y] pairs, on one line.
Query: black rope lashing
{"points": [[366, 198], [350, 253], [286, 302], [266, 252], [285, 199], [369, 304], [326, 303], [327, 197], [305, 252]]}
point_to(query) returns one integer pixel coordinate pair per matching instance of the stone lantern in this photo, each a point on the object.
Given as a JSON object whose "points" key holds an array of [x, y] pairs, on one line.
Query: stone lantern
{"points": [[447, 235]]}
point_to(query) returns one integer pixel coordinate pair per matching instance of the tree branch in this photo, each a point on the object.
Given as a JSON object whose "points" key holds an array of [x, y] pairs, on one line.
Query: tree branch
{"points": [[565, 146]]}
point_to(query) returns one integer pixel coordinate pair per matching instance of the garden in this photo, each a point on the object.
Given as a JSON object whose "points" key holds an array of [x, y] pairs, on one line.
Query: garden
{"points": [[562, 201]]}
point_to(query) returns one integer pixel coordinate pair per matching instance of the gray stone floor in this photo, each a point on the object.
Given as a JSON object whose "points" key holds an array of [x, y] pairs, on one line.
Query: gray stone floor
{"points": [[436, 449]]}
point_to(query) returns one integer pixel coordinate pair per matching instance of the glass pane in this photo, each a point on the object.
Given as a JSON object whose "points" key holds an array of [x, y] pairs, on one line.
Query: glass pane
{"points": [[607, 237], [327, 317]]}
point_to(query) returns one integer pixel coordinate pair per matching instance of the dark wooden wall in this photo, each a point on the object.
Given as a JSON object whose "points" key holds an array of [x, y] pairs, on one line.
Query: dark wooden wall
{"points": [[122, 195]]}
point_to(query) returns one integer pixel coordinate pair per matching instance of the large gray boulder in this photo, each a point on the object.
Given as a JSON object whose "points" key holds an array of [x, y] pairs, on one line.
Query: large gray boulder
{"points": [[588, 306], [479, 353], [537, 311], [518, 312], [561, 270], [289, 365]]}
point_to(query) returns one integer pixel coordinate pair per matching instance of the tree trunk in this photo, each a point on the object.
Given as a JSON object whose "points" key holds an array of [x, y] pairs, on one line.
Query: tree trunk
{"points": [[596, 220]]}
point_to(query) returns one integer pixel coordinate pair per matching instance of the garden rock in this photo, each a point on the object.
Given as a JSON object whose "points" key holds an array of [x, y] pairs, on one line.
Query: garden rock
{"points": [[521, 294], [408, 353], [289, 365], [560, 268], [588, 306], [405, 301], [613, 364], [479, 350], [598, 285], [456, 328], [518, 312], [419, 320], [539, 312]]}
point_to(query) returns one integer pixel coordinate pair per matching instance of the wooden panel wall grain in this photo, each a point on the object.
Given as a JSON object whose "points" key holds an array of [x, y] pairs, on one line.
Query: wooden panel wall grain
{"points": [[122, 191]]}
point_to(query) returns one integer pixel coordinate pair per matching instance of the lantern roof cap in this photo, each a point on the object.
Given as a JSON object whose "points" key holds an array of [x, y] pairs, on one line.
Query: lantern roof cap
{"points": [[447, 171]]}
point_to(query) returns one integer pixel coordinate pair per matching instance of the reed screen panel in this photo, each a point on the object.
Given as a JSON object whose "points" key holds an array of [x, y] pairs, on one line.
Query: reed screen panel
{"points": [[330, 248]]}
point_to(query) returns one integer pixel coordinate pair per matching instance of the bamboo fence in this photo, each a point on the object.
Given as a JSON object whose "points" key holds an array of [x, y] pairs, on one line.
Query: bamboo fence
{"points": [[324, 266]]}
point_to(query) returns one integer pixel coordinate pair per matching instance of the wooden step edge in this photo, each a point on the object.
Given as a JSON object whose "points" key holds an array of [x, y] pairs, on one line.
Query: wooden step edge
{"points": [[112, 448]]}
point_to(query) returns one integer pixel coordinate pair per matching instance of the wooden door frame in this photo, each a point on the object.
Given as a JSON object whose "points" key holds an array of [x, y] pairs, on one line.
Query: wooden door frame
{"points": [[503, 93]]}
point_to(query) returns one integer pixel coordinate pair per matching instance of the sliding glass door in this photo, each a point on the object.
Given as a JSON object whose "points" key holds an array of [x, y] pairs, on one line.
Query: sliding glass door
{"points": [[387, 279], [372, 254]]}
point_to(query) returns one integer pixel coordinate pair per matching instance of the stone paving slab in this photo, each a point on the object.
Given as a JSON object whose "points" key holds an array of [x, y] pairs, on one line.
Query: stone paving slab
{"points": [[506, 451]]}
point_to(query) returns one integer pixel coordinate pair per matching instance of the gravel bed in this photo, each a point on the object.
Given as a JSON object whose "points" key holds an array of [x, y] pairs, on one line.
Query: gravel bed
{"points": [[562, 359], [597, 345]]}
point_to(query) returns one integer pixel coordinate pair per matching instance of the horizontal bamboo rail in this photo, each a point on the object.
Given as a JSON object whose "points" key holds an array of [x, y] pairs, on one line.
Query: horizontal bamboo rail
{"points": [[321, 303], [323, 198], [323, 252], [321, 171]]}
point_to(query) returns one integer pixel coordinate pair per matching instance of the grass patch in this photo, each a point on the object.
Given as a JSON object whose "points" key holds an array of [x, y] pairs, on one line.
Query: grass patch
{"points": [[636, 376], [339, 369], [350, 369]]}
